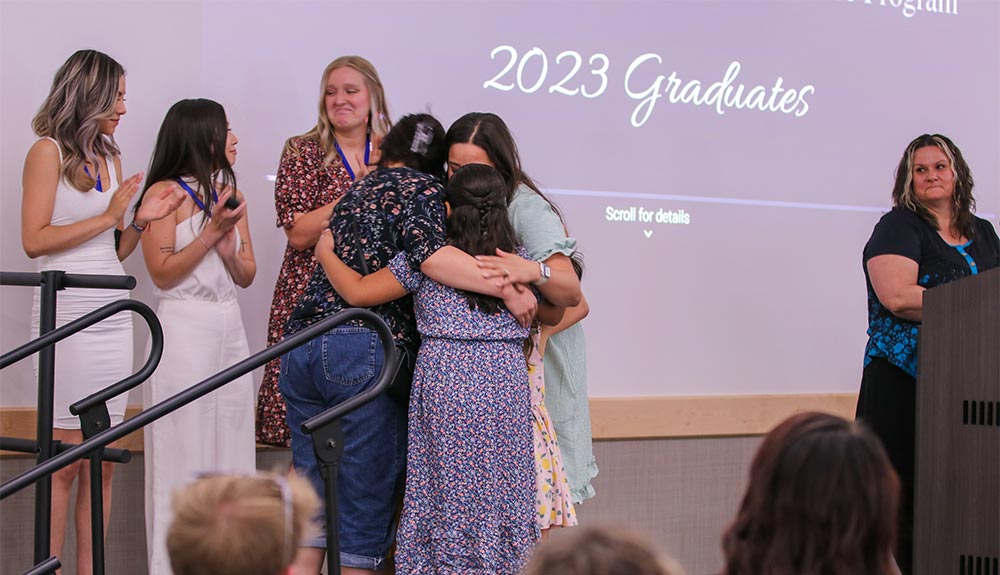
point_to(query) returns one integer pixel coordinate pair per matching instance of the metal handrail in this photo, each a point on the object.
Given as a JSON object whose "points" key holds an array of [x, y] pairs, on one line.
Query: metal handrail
{"points": [[93, 281], [93, 412], [93, 408], [96, 417], [46, 567], [20, 445], [209, 385]]}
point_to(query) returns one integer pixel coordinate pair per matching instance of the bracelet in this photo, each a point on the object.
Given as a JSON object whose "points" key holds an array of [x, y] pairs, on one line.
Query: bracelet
{"points": [[137, 227], [203, 242]]}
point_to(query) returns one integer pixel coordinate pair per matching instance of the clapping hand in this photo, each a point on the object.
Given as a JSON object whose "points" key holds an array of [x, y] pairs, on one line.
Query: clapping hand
{"points": [[121, 197], [223, 218], [158, 205]]}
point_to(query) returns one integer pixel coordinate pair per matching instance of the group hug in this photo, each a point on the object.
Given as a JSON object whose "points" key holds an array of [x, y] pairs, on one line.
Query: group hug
{"points": [[440, 233]]}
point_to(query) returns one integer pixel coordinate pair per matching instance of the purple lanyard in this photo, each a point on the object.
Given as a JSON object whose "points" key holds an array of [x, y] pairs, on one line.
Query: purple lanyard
{"points": [[194, 196], [97, 185], [343, 158]]}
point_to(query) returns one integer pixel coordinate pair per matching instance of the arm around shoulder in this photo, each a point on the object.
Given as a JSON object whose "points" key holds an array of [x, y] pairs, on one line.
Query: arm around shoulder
{"points": [[357, 290]]}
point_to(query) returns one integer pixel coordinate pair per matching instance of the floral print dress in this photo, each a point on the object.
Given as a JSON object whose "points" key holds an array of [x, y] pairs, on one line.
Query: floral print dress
{"points": [[469, 506], [552, 495], [304, 183]]}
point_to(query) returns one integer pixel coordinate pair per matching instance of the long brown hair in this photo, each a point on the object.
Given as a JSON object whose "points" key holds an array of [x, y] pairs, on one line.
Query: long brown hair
{"points": [[903, 194], [192, 144], [823, 499], [84, 92], [489, 132], [478, 223]]}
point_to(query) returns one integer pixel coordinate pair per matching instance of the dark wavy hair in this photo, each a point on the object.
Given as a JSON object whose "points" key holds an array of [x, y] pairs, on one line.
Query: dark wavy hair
{"points": [[489, 132], [84, 92], [478, 223], [192, 144], [416, 141], [903, 194], [823, 499]]}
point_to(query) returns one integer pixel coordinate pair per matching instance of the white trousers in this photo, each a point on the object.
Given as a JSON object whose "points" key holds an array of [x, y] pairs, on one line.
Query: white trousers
{"points": [[213, 434]]}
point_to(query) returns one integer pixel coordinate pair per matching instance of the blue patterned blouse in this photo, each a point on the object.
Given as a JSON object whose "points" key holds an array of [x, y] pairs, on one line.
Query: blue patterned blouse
{"points": [[902, 232]]}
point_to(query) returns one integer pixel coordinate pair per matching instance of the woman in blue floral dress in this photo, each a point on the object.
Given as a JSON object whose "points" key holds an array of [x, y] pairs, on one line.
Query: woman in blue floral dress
{"points": [[470, 486]]}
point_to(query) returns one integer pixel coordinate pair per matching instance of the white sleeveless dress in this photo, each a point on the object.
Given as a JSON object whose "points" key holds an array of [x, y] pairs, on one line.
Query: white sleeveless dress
{"points": [[100, 355], [202, 335]]}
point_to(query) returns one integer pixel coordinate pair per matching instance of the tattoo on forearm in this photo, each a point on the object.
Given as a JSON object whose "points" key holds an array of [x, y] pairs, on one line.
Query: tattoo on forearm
{"points": [[243, 245], [166, 249]]}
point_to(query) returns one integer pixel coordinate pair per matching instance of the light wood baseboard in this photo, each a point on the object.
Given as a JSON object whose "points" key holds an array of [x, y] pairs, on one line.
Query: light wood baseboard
{"points": [[706, 416], [611, 418]]}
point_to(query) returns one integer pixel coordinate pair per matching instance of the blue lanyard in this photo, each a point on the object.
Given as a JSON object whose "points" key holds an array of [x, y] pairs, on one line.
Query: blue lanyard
{"points": [[194, 196], [97, 186], [343, 158]]}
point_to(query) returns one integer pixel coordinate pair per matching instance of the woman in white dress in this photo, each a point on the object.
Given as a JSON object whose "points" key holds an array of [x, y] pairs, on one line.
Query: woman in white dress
{"points": [[72, 219], [196, 260]]}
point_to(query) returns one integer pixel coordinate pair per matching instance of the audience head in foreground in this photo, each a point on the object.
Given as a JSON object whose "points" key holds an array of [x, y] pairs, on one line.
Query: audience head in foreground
{"points": [[822, 500], [240, 524], [599, 551]]}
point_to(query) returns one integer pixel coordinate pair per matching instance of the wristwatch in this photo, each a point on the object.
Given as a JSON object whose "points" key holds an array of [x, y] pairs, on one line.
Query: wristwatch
{"points": [[545, 273]]}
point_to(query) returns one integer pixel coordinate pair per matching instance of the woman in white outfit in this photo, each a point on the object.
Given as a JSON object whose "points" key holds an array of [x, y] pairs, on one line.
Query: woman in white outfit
{"points": [[196, 260], [72, 219]]}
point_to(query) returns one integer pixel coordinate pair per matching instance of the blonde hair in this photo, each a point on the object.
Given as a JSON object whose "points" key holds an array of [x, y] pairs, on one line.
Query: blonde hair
{"points": [[84, 92], [240, 524], [603, 550], [379, 123]]}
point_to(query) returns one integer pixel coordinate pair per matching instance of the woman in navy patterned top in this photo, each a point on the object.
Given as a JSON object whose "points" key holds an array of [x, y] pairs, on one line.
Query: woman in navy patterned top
{"points": [[930, 237]]}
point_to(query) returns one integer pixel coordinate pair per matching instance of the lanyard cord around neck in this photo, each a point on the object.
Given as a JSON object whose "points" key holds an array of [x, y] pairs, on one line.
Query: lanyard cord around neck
{"points": [[97, 184], [194, 196], [343, 158]]}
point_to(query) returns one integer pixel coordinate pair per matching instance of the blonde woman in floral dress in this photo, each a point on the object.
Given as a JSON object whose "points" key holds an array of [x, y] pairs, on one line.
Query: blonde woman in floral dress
{"points": [[316, 169]]}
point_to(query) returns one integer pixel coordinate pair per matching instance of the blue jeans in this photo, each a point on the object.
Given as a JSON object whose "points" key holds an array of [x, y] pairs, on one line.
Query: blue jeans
{"points": [[318, 375]]}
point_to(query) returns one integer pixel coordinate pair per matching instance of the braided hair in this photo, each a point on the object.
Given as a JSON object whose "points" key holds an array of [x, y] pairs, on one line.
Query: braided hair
{"points": [[478, 223]]}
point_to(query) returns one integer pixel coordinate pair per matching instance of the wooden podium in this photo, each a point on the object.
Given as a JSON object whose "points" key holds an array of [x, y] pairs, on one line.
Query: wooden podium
{"points": [[957, 513]]}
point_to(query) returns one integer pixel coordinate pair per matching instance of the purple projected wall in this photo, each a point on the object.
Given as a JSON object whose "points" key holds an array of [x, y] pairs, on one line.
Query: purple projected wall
{"points": [[721, 163]]}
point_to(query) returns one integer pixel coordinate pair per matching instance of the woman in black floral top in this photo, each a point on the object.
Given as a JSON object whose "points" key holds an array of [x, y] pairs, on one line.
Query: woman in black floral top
{"points": [[398, 207]]}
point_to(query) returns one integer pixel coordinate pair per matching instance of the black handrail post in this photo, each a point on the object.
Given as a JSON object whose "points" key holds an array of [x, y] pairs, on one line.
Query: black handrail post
{"points": [[51, 282], [328, 444], [94, 420], [97, 510]]}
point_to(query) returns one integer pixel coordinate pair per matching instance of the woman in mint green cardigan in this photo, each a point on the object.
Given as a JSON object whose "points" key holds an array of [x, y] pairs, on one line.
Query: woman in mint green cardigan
{"points": [[483, 138]]}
